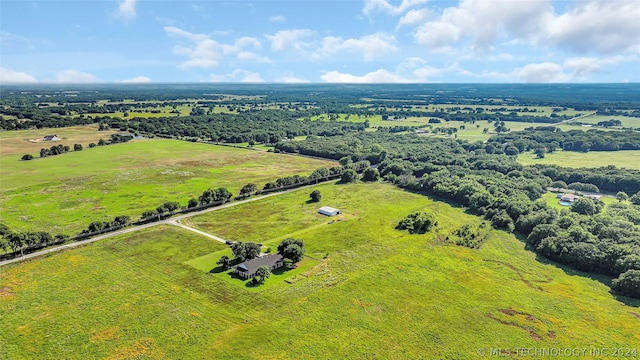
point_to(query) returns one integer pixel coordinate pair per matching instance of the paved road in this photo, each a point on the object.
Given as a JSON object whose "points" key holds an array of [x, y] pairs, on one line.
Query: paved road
{"points": [[576, 118], [171, 221]]}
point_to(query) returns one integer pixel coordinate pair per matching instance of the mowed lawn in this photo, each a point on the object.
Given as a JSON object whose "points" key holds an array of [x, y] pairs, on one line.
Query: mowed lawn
{"points": [[16, 143], [65, 193], [622, 159], [380, 293]]}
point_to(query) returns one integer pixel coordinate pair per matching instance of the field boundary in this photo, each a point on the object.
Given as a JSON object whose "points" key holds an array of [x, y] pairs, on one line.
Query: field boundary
{"points": [[168, 221]]}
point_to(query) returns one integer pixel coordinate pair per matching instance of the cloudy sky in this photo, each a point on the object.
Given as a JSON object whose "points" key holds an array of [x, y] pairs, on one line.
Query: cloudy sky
{"points": [[372, 41]]}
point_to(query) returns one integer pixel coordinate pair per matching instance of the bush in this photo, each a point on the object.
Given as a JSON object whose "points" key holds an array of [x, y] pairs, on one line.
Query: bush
{"points": [[628, 284], [418, 222], [371, 175], [27, 157], [315, 196], [349, 176]]}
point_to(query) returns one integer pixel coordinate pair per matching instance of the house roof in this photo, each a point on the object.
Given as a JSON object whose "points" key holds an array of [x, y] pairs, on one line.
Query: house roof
{"points": [[327, 209], [252, 265], [569, 197]]}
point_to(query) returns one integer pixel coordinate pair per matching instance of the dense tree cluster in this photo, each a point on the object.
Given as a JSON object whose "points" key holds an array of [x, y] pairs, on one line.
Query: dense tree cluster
{"points": [[292, 249], [418, 222], [552, 138]]}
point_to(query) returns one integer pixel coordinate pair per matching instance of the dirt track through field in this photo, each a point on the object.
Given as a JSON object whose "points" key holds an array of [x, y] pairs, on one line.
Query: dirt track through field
{"points": [[175, 221]]}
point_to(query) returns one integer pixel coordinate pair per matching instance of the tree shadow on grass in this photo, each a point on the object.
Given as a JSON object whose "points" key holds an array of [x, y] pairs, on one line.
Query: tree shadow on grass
{"points": [[218, 270]]}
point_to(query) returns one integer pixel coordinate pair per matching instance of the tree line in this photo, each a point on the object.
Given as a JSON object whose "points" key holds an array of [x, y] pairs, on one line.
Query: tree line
{"points": [[496, 188]]}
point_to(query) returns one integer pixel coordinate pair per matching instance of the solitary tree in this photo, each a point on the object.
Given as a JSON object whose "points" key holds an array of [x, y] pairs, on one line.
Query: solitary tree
{"points": [[540, 153], [224, 261], [92, 145], [27, 157], [262, 273], [77, 147], [315, 196]]}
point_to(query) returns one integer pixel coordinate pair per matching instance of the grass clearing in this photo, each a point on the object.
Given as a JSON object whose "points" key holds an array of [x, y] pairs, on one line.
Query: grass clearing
{"points": [[550, 199], [65, 193], [380, 294], [622, 159], [17, 142]]}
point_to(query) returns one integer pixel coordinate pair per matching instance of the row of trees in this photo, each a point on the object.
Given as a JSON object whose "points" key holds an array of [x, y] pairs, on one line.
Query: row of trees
{"points": [[61, 149]]}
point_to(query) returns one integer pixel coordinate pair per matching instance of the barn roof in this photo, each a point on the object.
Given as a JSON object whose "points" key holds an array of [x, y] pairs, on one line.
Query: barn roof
{"points": [[328, 209]]}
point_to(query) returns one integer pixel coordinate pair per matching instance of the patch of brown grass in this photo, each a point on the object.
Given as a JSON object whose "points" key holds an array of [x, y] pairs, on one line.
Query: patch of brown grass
{"points": [[139, 349], [109, 333]]}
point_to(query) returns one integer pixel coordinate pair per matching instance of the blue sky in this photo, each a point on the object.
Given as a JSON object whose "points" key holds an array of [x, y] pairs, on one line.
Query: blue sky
{"points": [[369, 41]]}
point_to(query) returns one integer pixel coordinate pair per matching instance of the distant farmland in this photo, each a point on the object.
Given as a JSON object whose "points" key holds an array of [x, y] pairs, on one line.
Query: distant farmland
{"points": [[64, 193]]}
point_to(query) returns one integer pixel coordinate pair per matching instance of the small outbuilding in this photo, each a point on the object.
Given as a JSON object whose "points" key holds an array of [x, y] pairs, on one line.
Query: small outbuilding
{"points": [[329, 211], [247, 269], [593, 197], [50, 138]]}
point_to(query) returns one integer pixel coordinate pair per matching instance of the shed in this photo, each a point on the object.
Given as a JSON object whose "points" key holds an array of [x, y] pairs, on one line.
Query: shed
{"points": [[329, 211], [50, 138], [247, 269]]}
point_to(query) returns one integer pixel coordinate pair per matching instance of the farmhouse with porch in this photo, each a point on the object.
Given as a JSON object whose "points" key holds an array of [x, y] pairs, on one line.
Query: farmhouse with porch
{"points": [[247, 269]]}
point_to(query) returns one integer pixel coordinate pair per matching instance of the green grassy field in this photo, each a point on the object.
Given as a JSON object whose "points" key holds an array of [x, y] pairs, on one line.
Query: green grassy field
{"points": [[623, 159], [625, 120], [17, 142], [65, 193], [380, 294]]}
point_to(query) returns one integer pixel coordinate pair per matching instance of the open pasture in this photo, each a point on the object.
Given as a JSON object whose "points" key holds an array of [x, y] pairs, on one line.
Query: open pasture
{"points": [[622, 159], [17, 142], [65, 193], [627, 121], [380, 294]]}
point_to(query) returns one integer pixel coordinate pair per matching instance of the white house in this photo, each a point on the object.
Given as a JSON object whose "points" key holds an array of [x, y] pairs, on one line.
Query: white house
{"points": [[329, 211]]}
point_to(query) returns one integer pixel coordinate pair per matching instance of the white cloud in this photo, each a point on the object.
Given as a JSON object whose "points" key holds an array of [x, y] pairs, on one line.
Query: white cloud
{"points": [[589, 26], [482, 21], [238, 75], [607, 27], [412, 70], [546, 72], [290, 79], [8, 76], [372, 6], [135, 80], [290, 39], [204, 52], [583, 66], [414, 16], [306, 42], [374, 77], [75, 77], [370, 45], [126, 10], [278, 18]]}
